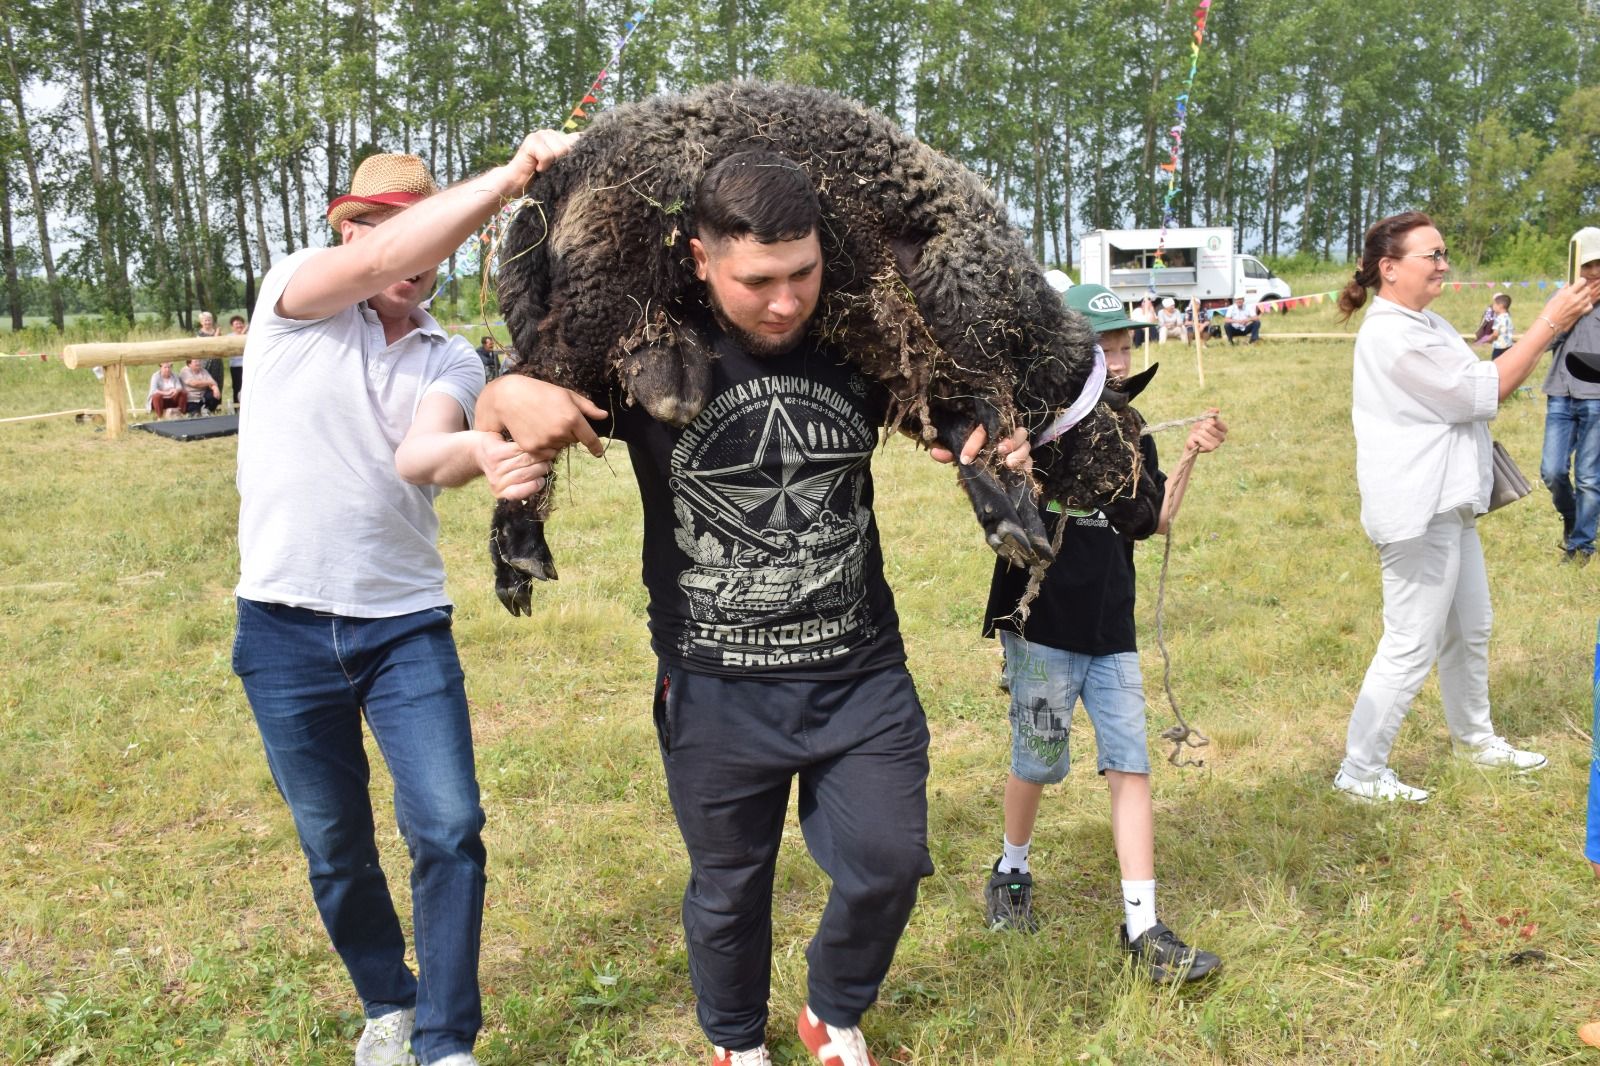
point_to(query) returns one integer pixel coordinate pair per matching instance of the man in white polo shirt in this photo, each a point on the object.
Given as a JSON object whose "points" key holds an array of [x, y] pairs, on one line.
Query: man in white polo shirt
{"points": [[360, 411], [1241, 321]]}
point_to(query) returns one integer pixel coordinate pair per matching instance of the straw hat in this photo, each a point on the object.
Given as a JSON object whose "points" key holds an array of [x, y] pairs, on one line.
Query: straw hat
{"points": [[384, 180]]}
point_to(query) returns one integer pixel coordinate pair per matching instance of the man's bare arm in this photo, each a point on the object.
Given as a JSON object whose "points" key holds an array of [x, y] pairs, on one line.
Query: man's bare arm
{"points": [[416, 240]]}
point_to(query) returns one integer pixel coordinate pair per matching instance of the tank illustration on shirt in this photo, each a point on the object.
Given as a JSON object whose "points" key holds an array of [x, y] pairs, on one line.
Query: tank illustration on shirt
{"points": [[768, 484]]}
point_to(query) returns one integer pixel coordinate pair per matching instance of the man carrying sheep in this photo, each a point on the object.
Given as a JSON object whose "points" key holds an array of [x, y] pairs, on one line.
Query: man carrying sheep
{"points": [[360, 411], [779, 647]]}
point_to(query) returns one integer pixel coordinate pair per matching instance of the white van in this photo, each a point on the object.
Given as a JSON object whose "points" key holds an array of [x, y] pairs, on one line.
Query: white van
{"points": [[1198, 263]]}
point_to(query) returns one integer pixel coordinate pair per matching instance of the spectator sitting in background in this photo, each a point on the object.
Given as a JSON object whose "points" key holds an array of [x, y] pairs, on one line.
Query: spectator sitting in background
{"points": [[1241, 321], [1143, 313], [236, 363], [166, 399], [1171, 321], [208, 328], [200, 389], [489, 352]]}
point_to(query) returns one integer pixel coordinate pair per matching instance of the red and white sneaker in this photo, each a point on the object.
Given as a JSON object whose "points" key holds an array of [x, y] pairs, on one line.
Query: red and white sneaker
{"points": [[832, 1045], [721, 1056]]}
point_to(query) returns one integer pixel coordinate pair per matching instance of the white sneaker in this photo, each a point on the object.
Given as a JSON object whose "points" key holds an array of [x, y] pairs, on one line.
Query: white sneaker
{"points": [[756, 1056], [460, 1058], [1384, 788], [386, 1041], [832, 1045], [1498, 753]]}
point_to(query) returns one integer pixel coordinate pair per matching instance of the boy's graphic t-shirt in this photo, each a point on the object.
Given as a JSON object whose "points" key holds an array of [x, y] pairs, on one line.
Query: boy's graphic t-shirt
{"points": [[1085, 603]]}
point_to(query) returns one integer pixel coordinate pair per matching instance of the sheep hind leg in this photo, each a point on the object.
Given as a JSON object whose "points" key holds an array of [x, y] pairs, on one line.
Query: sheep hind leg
{"points": [[519, 553]]}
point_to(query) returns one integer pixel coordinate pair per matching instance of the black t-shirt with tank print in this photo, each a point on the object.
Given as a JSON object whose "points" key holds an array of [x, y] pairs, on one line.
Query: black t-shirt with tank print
{"points": [[761, 552]]}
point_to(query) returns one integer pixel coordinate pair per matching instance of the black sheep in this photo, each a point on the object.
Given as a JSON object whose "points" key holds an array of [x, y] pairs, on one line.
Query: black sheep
{"points": [[927, 289]]}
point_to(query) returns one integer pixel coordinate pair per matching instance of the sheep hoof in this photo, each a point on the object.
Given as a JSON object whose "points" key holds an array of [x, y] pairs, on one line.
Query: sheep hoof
{"points": [[516, 598], [1003, 502], [1013, 544], [520, 556]]}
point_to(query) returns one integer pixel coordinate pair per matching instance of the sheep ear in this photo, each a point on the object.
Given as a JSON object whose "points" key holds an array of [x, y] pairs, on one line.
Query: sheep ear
{"points": [[907, 251], [1136, 384]]}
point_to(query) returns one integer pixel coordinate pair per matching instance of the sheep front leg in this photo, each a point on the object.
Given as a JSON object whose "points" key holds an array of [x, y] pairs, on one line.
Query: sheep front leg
{"points": [[1002, 498], [518, 550]]}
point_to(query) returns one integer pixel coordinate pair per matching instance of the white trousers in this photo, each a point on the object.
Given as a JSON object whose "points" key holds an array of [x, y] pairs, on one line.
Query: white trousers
{"points": [[1435, 609]]}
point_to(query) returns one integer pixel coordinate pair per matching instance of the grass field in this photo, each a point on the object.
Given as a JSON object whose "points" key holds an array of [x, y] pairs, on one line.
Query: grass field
{"points": [[153, 906]]}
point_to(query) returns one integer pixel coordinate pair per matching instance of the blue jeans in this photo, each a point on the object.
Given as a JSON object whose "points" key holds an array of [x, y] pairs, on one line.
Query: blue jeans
{"points": [[1572, 440], [310, 677], [1045, 685]]}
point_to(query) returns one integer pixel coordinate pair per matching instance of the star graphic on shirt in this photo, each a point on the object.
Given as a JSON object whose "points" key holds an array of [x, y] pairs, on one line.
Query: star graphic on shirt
{"points": [[793, 492]]}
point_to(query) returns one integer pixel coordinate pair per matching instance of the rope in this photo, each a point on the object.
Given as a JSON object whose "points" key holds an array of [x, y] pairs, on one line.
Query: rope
{"points": [[1181, 734], [1176, 423]]}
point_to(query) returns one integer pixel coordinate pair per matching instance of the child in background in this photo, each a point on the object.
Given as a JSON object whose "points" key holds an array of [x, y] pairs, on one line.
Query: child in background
{"points": [[1485, 326], [1504, 336], [1078, 641]]}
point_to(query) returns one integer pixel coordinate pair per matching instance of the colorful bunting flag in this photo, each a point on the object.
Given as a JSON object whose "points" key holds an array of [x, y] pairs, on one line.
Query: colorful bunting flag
{"points": [[471, 258], [1201, 14], [593, 95]]}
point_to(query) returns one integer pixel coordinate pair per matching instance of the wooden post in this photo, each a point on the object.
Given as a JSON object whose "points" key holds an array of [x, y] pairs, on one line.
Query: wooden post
{"points": [[1199, 360], [116, 358], [116, 405]]}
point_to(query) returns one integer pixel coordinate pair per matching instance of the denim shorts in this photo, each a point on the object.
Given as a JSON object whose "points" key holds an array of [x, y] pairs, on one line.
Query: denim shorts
{"points": [[1045, 684]]}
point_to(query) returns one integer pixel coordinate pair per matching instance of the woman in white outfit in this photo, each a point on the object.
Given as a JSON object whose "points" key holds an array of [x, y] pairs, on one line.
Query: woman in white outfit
{"points": [[1422, 401]]}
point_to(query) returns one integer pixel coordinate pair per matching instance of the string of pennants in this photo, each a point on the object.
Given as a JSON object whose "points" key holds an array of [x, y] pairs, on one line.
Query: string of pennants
{"points": [[1317, 298], [476, 250], [1201, 14], [592, 97], [1312, 299]]}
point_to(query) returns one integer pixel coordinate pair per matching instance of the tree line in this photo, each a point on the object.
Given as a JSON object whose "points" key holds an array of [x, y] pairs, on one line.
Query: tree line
{"points": [[160, 154]]}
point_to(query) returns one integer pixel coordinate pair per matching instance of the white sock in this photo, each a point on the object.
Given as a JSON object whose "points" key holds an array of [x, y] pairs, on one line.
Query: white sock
{"points": [[1139, 904], [1014, 857]]}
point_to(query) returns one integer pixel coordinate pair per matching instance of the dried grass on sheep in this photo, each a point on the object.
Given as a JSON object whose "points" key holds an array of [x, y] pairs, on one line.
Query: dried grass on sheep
{"points": [[928, 288]]}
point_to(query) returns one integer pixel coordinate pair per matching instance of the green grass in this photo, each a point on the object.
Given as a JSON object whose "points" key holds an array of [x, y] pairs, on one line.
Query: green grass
{"points": [[153, 906]]}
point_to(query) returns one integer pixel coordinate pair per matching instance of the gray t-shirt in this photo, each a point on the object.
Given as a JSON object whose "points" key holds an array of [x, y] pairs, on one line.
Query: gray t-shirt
{"points": [[1583, 337], [325, 522]]}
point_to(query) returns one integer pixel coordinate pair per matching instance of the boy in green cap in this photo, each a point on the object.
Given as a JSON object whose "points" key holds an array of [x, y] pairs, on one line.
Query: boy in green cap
{"points": [[1078, 642]]}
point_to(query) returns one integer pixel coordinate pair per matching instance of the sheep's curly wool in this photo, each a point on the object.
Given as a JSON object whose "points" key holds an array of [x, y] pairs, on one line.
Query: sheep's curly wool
{"points": [[927, 287]]}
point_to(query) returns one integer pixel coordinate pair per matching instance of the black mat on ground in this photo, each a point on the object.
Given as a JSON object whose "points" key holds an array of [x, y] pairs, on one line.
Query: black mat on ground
{"points": [[193, 428]]}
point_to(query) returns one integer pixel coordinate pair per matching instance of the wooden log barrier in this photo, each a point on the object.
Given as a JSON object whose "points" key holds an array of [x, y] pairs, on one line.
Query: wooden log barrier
{"points": [[116, 358]]}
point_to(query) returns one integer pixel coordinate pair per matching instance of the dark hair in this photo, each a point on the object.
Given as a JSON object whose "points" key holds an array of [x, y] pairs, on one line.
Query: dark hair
{"points": [[235, 318], [1503, 297], [758, 194], [1386, 239]]}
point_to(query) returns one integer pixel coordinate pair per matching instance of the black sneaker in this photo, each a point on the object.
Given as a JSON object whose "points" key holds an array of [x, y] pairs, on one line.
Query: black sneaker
{"points": [[1165, 957], [1010, 900]]}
